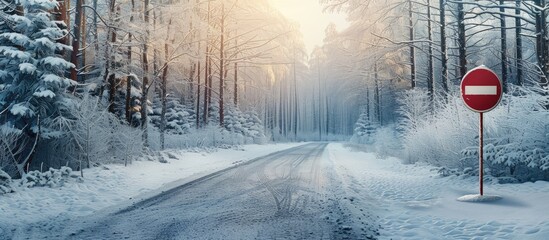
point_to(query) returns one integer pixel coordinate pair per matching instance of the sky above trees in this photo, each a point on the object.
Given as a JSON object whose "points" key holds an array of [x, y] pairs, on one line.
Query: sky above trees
{"points": [[312, 19]]}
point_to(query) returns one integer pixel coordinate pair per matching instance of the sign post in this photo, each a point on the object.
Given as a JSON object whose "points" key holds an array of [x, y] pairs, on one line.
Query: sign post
{"points": [[481, 92]]}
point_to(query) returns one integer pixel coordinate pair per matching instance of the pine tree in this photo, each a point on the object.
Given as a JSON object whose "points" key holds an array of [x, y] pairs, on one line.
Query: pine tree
{"points": [[180, 119], [32, 75], [364, 130]]}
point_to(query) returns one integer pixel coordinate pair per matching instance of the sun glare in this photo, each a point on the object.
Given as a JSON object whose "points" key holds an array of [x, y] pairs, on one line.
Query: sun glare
{"points": [[311, 19]]}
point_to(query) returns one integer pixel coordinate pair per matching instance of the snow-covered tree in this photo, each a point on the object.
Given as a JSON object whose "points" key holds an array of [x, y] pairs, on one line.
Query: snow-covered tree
{"points": [[246, 124], [32, 76], [365, 130], [180, 119]]}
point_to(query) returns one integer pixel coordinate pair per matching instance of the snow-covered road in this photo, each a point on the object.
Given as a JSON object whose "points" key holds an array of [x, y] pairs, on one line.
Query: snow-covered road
{"points": [[306, 191], [291, 194]]}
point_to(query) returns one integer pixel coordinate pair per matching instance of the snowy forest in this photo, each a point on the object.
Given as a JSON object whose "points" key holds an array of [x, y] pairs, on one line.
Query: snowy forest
{"points": [[85, 83]]}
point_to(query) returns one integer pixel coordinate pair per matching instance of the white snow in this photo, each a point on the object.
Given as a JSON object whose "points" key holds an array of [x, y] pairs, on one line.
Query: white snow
{"points": [[478, 198], [417, 204], [117, 184], [412, 201], [57, 62], [20, 109], [44, 93], [27, 68]]}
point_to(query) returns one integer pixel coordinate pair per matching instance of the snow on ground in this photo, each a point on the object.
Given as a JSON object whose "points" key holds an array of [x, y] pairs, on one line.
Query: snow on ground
{"points": [[417, 204], [116, 184], [411, 200]]}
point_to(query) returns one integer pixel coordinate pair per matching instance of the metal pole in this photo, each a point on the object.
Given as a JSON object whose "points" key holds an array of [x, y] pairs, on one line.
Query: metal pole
{"points": [[480, 154]]}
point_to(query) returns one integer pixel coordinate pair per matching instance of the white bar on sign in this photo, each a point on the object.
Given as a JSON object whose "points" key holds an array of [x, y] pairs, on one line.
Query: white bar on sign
{"points": [[481, 90]]}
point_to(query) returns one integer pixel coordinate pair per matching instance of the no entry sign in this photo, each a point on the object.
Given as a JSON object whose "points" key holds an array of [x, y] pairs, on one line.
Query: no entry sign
{"points": [[481, 92], [481, 89]]}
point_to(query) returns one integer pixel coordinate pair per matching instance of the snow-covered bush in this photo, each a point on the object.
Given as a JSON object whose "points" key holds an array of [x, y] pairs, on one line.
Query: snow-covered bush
{"points": [[387, 141], [180, 119], [5, 183], [211, 136], [248, 125], [364, 130], [516, 135], [92, 136], [51, 178], [10, 143]]}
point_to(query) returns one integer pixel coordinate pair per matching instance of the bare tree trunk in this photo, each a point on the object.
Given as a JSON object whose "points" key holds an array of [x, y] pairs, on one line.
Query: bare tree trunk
{"points": [[84, 35], [376, 94], [541, 41], [129, 78], [145, 63], [295, 97], [163, 90], [76, 39], [319, 102], [28, 160], [112, 81], [518, 33], [368, 102], [208, 73], [503, 46], [155, 59], [221, 67], [61, 16], [207, 80], [235, 93], [198, 82], [95, 29], [462, 41], [430, 64], [412, 47], [443, 50]]}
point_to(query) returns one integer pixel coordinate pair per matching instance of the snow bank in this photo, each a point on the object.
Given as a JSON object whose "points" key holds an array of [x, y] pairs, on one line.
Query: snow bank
{"points": [[418, 204], [115, 184]]}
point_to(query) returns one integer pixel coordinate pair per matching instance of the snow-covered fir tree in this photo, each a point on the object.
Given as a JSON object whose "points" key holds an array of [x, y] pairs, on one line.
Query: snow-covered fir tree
{"points": [[365, 130], [33, 96], [32, 70], [180, 119], [246, 124]]}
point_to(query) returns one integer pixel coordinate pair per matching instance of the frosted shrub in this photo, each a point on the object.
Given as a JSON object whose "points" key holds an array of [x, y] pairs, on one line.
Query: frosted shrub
{"points": [[435, 136], [10, 142], [518, 145], [5, 183], [387, 142], [516, 136], [248, 125], [92, 136], [51, 178]]}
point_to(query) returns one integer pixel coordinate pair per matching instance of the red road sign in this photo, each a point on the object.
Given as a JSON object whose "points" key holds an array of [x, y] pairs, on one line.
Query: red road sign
{"points": [[481, 89]]}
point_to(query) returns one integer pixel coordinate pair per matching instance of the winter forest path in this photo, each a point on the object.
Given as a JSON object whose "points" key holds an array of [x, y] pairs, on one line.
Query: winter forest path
{"points": [[291, 194]]}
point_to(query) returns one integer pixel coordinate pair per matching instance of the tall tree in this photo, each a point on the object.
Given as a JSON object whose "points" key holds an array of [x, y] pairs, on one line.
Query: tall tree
{"points": [[76, 38], [462, 41], [32, 75], [443, 48], [222, 67], [518, 42], [542, 35], [145, 66], [164, 88], [430, 56], [412, 46], [503, 37]]}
